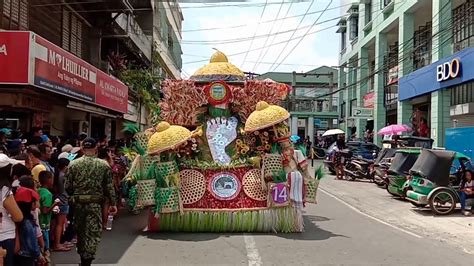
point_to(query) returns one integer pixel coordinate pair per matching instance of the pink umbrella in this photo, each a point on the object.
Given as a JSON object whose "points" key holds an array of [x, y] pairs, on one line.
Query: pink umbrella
{"points": [[394, 129]]}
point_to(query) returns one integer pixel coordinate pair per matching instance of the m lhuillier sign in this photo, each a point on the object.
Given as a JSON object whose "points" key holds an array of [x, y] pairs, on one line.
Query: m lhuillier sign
{"points": [[448, 70]]}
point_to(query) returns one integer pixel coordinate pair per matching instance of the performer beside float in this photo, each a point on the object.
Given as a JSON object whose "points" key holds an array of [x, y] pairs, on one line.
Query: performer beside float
{"points": [[237, 171]]}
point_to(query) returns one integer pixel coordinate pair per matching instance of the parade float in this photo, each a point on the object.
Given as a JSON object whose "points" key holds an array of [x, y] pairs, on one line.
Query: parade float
{"points": [[221, 159]]}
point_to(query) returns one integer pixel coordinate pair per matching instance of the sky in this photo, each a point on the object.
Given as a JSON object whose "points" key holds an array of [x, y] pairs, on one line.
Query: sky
{"points": [[245, 27]]}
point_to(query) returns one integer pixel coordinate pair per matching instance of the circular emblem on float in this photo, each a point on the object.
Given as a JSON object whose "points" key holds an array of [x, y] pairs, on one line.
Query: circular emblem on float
{"points": [[225, 186], [218, 92]]}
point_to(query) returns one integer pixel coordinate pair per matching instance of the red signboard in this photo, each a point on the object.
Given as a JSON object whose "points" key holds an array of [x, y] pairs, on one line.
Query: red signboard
{"points": [[14, 57], [60, 71], [369, 100]]}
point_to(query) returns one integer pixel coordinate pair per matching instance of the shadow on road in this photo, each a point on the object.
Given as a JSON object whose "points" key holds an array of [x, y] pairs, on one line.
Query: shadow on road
{"points": [[428, 213], [311, 232], [114, 244]]}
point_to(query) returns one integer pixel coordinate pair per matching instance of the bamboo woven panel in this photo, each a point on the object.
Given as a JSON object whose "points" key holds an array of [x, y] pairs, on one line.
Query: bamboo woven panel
{"points": [[311, 186], [167, 168], [169, 198], [146, 192], [272, 164], [252, 184], [147, 162], [142, 139], [192, 186]]}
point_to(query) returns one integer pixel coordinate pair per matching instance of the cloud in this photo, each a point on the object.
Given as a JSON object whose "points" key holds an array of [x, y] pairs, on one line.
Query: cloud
{"points": [[314, 50]]}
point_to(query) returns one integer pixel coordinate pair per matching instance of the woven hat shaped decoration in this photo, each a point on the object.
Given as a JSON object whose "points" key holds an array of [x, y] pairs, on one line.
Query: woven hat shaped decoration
{"points": [[167, 137], [264, 116]]}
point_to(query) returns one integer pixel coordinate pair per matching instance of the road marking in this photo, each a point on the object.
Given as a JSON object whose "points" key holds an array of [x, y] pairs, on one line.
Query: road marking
{"points": [[252, 252], [368, 215]]}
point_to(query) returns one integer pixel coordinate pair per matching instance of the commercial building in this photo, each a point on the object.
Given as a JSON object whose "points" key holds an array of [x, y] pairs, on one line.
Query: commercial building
{"points": [[55, 61], [312, 105], [413, 60]]}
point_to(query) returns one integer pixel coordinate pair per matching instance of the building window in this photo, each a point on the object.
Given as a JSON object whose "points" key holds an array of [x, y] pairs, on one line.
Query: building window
{"points": [[14, 15], [170, 37], [368, 12], [343, 40], [391, 95], [352, 104], [343, 110], [463, 26], [422, 46], [463, 93], [71, 33], [386, 2], [354, 27]]}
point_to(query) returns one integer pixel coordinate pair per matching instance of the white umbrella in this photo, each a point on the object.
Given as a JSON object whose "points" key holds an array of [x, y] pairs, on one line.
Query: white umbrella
{"points": [[331, 132]]}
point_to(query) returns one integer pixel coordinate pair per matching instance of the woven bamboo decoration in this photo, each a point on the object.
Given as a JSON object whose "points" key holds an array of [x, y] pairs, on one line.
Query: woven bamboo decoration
{"points": [[272, 164], [169, 198], [252, 185], [146, 192], [169, 168], [192, 186], [142, 139], [311, 186]]}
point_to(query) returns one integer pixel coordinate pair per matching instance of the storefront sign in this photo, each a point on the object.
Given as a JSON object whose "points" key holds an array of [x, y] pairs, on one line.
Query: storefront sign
{"points": [[14, 59], [427, 79], [392, 75], [369, 100], [57, 70], [448, 70], [362, 112]]}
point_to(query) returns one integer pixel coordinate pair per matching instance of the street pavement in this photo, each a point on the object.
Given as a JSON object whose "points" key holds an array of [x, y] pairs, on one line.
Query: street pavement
{"points": [[354, 223]]}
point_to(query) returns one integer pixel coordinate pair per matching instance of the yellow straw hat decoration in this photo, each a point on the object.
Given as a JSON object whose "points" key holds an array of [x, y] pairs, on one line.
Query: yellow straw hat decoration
{"points": [[167, 137], [264, 116], [218, 68]]}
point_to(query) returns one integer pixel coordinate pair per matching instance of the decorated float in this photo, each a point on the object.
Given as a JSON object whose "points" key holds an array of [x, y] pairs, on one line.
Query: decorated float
{"points": [[221, 160]]}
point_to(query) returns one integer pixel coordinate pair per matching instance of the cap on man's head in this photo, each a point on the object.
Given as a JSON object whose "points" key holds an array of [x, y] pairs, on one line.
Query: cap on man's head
{"points": [[89, 143], [67, 148], [27, 195], [5, 160]]}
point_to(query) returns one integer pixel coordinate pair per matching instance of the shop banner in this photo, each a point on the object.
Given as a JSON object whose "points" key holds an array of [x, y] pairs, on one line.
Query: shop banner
{"points": [[369, 100], [14, 57], [59, 71]]}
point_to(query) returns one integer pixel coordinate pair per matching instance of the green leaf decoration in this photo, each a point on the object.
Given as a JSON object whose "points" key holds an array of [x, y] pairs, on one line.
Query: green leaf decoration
{"points": [[319, 173], [130, 128], [279, 176]]}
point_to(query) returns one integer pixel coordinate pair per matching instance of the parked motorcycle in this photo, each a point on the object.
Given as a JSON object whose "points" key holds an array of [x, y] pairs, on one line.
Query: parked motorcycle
{"points": [[359, 168], [381, 166]]}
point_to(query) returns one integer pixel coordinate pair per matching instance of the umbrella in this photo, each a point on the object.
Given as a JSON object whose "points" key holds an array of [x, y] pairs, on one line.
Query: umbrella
{"points": [[331, 132], [394, 129], [295, 138]]}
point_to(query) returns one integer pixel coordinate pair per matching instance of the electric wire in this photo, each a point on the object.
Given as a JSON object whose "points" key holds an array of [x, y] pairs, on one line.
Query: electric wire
{"points": [[255, 33], [302, 38], [293, 34], [268, 35]]}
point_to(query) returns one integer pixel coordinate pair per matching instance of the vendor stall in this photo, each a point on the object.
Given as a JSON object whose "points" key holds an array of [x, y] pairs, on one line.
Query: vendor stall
{"points": [[221, 159]]}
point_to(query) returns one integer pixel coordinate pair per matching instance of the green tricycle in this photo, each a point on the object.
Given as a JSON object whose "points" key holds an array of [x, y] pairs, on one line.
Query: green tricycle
{"points": [[398, 172], [432, 181]]}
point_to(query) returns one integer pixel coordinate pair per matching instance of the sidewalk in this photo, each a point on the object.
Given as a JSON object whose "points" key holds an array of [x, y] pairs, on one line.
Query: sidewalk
{"points": [[368, 198]]}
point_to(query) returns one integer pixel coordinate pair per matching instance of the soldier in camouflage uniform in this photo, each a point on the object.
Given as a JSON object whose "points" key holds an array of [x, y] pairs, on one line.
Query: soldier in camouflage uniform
{"points": [[89, 183]]}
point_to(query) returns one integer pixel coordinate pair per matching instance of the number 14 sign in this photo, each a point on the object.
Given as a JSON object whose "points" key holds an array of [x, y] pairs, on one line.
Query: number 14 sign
{"points": [[278, 194]]}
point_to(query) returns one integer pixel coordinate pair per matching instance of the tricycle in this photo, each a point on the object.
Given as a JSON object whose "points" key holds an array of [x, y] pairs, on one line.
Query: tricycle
{"points": [[397, 173], [433, 183]]}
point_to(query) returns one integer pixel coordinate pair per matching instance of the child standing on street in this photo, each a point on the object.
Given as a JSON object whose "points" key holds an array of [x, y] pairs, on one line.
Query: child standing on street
{"points": [[29, 251], [46, 206]]}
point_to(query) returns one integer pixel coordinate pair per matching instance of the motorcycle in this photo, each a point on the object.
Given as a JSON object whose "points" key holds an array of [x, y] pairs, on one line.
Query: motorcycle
{"points": [[359, 168]]}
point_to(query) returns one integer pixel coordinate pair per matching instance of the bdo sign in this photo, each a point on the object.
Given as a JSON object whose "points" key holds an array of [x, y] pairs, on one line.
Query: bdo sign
{"points": [[448, 70]]}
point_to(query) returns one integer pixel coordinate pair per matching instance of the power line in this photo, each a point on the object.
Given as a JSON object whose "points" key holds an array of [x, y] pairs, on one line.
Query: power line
{"points": [[255, 33], [274, 36], [268, 35], [257, 49], [407, 55], [298, 43], [293, 34], [286, 17], [244, 39]]}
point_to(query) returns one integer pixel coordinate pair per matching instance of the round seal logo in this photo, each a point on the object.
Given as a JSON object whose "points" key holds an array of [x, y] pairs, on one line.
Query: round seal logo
{"points": [[225, 186]]}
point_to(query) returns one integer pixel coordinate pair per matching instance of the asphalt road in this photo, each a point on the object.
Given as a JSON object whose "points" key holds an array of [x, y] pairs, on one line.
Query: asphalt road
{"points": [[335, 234]]}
